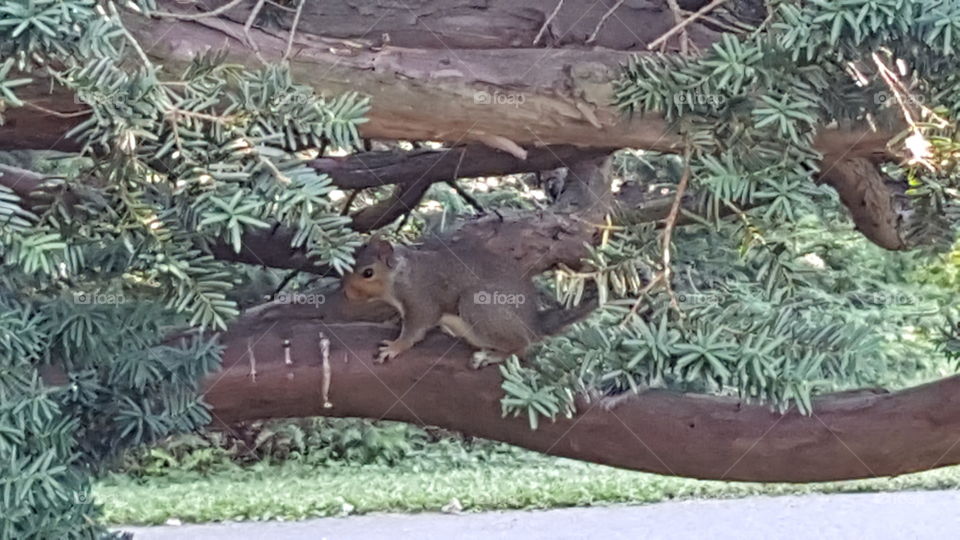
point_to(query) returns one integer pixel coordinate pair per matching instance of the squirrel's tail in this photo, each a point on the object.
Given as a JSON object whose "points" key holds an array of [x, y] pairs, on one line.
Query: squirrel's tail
{"points": [[555, 320]]}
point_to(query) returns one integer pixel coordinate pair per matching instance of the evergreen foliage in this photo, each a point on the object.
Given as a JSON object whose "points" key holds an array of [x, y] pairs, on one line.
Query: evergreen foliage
{"points": [[760, 303], [99, 271]]}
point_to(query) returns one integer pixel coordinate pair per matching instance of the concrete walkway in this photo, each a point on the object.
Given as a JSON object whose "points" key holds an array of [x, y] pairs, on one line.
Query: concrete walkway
{"points": [[928, 514]]}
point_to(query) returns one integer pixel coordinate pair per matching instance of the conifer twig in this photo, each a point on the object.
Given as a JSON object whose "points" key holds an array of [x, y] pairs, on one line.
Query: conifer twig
{"points": [[671, 222], [471, 200], [682, 25], [460, 191], [596, 31], [349, 202], [547, 22], [293, 31], [663, 276], [58, 114], [248, 25], [196, 16]]}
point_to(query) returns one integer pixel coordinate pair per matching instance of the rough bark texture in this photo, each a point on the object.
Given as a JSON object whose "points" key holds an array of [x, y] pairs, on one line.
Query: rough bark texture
{"points": [[870, 197], [469, 24], [504, 94], [851, 435]]}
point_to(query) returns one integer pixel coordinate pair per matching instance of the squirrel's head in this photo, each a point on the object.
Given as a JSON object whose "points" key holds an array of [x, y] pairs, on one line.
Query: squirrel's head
{"points": [[372, 276]]}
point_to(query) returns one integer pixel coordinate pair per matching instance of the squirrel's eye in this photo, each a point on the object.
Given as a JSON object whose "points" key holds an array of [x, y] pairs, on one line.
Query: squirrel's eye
{"points": [[368, 273]]}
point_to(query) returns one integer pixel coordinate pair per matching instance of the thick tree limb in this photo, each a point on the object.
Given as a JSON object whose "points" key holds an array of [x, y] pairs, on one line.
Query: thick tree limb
{"points": [[271, 248], [528, 96], [548, 234], [372, 169], [850, 435], [440, 24], [548, 238]]}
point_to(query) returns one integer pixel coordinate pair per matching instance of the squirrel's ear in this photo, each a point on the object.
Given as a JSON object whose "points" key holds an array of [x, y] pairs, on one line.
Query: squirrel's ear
{"points": [[383, 249]]}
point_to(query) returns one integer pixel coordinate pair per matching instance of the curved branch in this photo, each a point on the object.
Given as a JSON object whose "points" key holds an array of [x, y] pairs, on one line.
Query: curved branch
{"points": [[850, 435], [414, 172], [872, 199], [402, 201]]}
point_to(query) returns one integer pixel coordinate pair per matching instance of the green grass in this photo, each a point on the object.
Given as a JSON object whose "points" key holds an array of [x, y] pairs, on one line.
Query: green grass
{"points": [[296, 491]]}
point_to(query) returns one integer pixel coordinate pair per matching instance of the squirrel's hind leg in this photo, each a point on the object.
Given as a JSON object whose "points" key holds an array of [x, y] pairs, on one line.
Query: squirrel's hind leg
{"points": [[486, 356]]}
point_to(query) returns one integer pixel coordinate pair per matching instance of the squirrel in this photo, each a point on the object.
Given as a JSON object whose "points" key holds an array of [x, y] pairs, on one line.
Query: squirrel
{"points": [[475, 295]]}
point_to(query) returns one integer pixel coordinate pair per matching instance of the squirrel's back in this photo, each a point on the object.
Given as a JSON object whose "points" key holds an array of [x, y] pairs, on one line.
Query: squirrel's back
{"points": [[480, 296]]}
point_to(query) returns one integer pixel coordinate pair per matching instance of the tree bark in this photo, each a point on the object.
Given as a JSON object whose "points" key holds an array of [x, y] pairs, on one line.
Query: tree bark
{"points": [[850, 435], [876, 203], [489, 85], [372, 169], [468, 24]]}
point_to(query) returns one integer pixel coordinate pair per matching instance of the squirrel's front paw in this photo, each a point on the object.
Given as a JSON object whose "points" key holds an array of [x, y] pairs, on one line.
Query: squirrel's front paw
{"points": [[390, 350], [484, 358]]}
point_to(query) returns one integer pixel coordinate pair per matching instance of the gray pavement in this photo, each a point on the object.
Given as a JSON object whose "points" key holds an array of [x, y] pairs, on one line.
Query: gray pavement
{"points": [[927, 514]]}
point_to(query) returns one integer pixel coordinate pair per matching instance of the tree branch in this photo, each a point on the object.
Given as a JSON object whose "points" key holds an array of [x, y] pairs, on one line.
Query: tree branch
{"points": [[373, 169], [402, 201], [269, 247], [415, 171], [633, 204], [560, 96], [874, 201], [850, 435]]}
